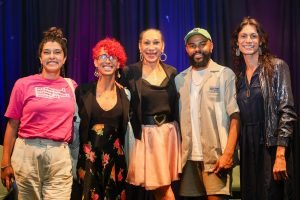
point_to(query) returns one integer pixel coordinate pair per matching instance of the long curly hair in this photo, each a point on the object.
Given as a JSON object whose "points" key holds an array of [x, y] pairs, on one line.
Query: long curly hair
{"points": [[265, 58], [113, 48]]}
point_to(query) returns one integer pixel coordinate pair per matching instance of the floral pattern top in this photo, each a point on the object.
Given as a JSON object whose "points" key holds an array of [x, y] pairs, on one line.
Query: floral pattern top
{"points": [[101, 165]]}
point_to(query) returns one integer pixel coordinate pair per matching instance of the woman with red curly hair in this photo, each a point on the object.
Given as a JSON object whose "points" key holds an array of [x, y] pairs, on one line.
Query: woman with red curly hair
{"points": [[103, 108]]}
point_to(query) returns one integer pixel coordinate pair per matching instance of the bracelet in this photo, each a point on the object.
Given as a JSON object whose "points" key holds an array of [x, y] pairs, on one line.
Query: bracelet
{"points": [[6, 166]]}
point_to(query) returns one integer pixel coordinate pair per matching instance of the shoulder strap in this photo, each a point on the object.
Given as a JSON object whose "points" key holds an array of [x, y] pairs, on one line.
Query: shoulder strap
{"points": [[69, 81], [127, 93]]}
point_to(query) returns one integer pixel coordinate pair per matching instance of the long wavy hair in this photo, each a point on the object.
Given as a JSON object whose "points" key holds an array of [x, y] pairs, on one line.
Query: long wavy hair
{"points": [[265, 58]]}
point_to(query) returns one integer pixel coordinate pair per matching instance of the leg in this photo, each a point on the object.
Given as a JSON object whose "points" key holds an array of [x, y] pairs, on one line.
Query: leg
{"points": [[25, 162], [216, 197], [164, 193], [57, 172]]}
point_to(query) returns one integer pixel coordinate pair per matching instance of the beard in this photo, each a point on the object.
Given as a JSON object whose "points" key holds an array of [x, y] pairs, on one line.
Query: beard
{"points": [[201, 64]]}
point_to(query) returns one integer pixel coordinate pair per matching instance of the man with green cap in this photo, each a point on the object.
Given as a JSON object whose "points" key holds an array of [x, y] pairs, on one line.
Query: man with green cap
{"points": [[209, 120]]}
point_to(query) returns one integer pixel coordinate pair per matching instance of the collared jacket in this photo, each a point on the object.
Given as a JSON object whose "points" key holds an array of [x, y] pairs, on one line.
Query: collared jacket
{"points": [[217, 102], [279, 108], [131, 78]]}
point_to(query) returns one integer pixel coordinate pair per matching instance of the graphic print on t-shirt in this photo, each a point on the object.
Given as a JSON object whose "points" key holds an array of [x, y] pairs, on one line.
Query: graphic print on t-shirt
{"points": [[51, 93]]}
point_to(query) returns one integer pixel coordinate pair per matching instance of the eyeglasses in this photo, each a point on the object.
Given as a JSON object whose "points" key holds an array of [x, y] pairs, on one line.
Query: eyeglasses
{"points": [[104, 57]]}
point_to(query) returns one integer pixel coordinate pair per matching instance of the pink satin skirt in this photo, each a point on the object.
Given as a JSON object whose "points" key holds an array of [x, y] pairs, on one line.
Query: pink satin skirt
{"points": [[155, 160]]}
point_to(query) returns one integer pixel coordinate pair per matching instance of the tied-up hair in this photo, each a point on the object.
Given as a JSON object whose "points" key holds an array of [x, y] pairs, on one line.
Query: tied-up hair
{"points": [[265, 57], [54, 34], [151, 29]]}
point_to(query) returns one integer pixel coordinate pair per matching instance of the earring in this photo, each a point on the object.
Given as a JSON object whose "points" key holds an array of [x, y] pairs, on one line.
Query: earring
{"points": [[259, 51], [237, 52], [118, 74], [163, 57], [96, 73], [141, 57]]}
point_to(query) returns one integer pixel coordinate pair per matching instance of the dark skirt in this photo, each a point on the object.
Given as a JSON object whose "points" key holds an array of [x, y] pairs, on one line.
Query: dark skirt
{"points": [[257, 160]]}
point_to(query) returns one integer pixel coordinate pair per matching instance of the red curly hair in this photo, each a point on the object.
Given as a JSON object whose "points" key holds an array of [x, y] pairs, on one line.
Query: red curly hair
{"points": [[113, 48]]}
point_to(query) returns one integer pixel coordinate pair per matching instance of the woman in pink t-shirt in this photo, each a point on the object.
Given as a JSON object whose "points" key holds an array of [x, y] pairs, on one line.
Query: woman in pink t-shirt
{"points": [[40, 122]]}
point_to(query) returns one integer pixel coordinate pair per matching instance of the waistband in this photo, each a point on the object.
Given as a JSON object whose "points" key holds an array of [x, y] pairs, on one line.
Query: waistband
{"points": [[158, 119], [41, 141]]}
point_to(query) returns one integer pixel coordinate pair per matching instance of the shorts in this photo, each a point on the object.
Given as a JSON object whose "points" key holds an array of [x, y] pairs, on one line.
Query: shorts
{"points": [[197, 182]]}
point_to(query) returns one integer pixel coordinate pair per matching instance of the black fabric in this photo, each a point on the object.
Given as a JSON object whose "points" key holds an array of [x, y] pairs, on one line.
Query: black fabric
{"points": [[257, 159], [157, 119], [131, 77], [105, 165], [157, 99]]}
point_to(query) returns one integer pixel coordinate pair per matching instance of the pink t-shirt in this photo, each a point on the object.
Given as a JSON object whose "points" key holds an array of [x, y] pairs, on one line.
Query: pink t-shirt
{"points": [[44, 107]]}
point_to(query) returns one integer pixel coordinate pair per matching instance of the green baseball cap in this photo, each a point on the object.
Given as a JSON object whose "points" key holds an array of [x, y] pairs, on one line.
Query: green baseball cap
{"points": [[197, 31]]}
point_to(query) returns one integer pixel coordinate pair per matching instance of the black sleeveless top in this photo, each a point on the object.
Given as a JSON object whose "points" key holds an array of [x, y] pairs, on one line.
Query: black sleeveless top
{"points": [[156, 99]]}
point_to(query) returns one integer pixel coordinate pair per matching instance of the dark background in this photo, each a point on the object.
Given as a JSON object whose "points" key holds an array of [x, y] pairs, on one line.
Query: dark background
{"points": [[85, 22]]}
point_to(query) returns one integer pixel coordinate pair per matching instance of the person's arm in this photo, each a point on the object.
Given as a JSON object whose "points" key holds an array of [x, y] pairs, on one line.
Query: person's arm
{"points": [[226, 160], [7, 172], [287, 117]]}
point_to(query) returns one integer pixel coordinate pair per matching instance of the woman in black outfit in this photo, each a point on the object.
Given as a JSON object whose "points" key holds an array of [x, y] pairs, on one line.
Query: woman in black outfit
{"points": [[155, 159], [267, 113], [103, 108]]}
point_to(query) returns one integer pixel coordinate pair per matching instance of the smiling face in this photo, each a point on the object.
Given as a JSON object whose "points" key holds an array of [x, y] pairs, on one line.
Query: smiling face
{"points": [[106, 65], [248, 40], [151, 46], [199, 50], [52, 58]]}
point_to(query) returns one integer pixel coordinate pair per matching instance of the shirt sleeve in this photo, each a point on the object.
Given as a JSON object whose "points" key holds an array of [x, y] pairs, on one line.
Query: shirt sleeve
{"points": [[16, 101], [230, 92]]}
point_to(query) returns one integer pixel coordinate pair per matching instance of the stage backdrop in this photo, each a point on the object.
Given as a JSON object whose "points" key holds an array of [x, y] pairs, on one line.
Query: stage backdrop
{"points": [[85, 22]]}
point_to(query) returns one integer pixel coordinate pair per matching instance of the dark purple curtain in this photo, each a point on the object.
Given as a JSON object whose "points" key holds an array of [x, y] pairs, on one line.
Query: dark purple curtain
{"points": [[86, 22]]}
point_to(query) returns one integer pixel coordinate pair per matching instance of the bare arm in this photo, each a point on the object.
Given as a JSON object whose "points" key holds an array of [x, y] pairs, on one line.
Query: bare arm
{"points": [[7, 173], [226, 160]]}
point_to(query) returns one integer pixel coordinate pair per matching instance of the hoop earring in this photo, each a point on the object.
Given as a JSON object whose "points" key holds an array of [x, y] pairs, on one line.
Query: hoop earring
{"points": [[96, 73], [141, 57], [163, 57], [259, 51], [237, 52]]}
